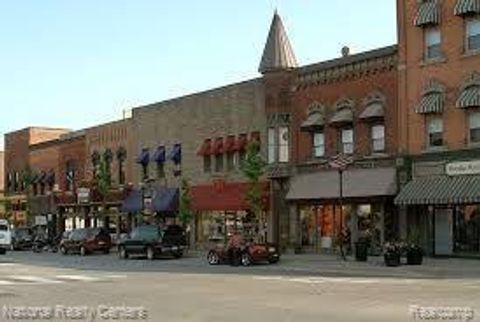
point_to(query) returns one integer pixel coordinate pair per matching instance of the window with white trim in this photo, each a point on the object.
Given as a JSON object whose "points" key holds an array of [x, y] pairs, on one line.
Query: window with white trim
{"points": [[435, 132], [318, 144], [474, 126], [283, 144], [472, 34], [433, 43], [347, 141], [378, 138], [272, 145]]}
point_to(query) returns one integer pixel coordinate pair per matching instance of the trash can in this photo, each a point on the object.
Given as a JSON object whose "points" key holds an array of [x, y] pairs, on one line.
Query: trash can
{"points": [[361, 251]]}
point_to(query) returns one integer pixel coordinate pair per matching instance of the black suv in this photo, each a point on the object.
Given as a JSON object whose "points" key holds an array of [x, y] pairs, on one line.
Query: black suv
{"points": [[22, 238], [152, 241]]}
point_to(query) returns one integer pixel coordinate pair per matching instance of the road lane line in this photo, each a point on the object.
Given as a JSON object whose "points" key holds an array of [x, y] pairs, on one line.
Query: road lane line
{"points": [[33, 279], [81, 278]]}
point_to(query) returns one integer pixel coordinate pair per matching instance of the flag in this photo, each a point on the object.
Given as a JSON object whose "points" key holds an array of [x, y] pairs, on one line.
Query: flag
{"points": [[340, 161]]}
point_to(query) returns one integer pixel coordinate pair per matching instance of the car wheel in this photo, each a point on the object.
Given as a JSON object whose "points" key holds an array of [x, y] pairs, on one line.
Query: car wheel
{"points": [[246, 259], [178, 254], [83, 251], [106, 251], [63, 250], [3, 251], [212, 258], [273, 260], [150, 253], [122, 252]]}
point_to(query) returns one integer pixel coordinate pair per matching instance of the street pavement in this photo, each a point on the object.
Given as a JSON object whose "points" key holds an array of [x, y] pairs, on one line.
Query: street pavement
{"points": [[299, 288]]}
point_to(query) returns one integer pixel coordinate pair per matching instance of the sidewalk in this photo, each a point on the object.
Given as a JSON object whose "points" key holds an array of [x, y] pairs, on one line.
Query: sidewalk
{"points": [[432, 268]]}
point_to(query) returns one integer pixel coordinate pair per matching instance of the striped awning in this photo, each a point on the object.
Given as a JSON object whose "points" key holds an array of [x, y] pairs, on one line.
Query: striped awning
{"points": [[428, 13], [313, 121], [431, 102], [441, 190], [465, 7], [469, 97]]}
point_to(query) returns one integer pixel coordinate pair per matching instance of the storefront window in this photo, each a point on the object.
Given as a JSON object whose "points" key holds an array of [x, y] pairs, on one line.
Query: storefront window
{"points": [[467, 229]]}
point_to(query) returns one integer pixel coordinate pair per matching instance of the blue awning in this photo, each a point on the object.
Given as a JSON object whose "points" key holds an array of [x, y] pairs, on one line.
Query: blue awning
{"points": [[144, 157], [165, 200], [159, 155], [133, 202], [176, 154]]}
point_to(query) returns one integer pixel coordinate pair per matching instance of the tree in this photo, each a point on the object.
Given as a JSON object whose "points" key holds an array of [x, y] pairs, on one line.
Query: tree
{"points": [[103, 180], [185, 213], [254, 168]]}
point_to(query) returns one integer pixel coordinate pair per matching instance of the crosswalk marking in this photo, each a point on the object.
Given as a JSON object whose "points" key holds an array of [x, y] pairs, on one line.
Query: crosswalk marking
{"points": [[33, 279], [82, 278], [19, 279], [317, 280]]}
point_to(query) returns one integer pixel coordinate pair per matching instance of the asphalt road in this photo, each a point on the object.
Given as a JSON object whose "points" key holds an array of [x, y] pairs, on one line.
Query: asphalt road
{"points": [[190, 290]]}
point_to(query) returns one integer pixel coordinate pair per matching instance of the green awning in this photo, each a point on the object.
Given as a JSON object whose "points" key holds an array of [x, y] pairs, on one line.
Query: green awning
{"points": [[440, 190], [469, 97], [428, 13], [431, 103], [465, 7]]}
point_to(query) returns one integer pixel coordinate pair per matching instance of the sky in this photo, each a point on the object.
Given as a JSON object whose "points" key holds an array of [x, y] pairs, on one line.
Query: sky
{"points": [[74, 64]]}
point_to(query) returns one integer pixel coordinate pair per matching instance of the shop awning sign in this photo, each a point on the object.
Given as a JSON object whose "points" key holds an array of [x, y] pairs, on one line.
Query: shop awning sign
{"points": [[463, 168]]}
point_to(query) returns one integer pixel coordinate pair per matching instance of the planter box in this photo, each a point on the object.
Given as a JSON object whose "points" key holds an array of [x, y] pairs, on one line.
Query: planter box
{"points": [[392, 259], [414, 257]]}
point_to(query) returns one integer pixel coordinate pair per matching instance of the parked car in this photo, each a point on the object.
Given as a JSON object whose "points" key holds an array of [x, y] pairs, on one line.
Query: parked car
{"points": [[85, 241], [251, 253], [5, 236], [152, 241], [22, 238]]}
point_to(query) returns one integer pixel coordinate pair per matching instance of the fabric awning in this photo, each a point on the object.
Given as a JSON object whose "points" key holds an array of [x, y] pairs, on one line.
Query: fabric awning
{"points": [[465, 7], [469, 97], [165, 200], [176, 154], [344, 115], [205, 149], [218, 146], [373, 110], [133, 202], [159, 155], [431, 103], [241, 143], [144, 157], [314, 121], [440, 190], [230, 144], [428, 13], [357, 183]]}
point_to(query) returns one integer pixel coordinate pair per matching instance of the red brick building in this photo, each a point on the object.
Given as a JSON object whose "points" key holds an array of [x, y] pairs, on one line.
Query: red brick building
{"points": [[439, 117], [344, 106]]}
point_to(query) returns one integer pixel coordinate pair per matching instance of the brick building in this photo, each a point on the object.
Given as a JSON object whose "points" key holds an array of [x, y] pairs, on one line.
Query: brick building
{"points": [[2, 185], [348, 106], [201, 138], [18, 170], [439, 133]]}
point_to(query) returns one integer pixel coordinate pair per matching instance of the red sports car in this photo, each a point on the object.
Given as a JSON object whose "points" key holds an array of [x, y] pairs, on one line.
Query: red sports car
{"points": [[250, 254]]}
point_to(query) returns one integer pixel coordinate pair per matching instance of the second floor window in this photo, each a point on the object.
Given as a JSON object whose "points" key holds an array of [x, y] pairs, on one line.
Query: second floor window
{"points": [[474, 122], [230, 161], [378, 138], [283, 144], [347, 141], [219, 163], [433, 42], [472, 31], [318, 144], [272, 146], [435, 132], [207, 163]]}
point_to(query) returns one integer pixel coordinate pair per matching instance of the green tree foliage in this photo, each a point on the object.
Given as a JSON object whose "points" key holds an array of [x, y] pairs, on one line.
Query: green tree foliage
{"points": [[185, 208], [253, 168]]}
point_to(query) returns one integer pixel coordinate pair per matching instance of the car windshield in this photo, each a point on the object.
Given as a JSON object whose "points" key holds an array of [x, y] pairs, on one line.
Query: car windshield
{"points": [[3, 227], [146, 232], [22, 233]]}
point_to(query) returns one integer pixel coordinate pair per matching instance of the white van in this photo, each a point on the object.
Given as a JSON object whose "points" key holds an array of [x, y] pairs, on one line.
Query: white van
{"points": [[5, 236]]}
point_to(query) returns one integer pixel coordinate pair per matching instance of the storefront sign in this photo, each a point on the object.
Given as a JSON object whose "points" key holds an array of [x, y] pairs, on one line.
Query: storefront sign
{"points": [[463, 168], [83, 195], [40, 220]]}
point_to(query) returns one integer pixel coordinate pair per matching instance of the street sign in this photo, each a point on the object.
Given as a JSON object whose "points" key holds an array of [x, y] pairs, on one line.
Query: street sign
{"points": [[340, 161], [83, 195]]}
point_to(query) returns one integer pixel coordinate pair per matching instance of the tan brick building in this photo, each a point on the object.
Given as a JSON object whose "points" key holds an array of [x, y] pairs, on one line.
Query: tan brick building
{"points": [[209, 132], [439, 118]]}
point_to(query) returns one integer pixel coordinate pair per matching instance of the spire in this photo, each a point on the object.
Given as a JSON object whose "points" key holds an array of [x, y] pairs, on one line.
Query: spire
{"points": [[278, 53]]}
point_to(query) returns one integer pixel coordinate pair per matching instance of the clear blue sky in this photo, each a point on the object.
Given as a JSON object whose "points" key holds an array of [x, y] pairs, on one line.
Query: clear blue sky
{"points": [[74, 64]]}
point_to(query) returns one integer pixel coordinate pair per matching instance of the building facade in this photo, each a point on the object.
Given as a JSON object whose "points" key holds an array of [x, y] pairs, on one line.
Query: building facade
{"points": [[439, 136], [345, 106], [2, 185], [201, 138]]}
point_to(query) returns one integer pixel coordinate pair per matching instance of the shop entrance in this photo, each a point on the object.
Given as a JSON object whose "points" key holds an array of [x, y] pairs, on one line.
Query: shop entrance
{"points": [[443, 231]]}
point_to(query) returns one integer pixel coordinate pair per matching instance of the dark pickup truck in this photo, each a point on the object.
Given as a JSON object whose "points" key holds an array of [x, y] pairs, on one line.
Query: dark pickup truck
{"points": [[152, 241]]}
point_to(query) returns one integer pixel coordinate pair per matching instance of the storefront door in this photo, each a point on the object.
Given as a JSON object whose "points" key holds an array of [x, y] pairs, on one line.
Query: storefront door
{"points": [[443, 231]]}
